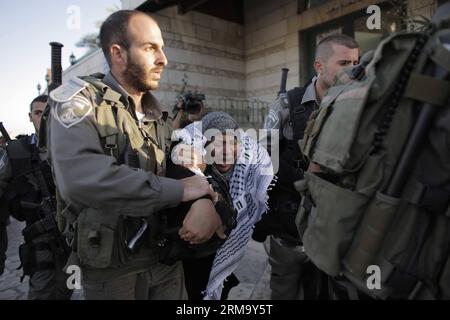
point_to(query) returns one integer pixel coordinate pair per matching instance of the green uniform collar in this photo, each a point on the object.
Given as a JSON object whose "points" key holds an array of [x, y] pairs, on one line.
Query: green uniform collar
{"points": [[310, 93]]}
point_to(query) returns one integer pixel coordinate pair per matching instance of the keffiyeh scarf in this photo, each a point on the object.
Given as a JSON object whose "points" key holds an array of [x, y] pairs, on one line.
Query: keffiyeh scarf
{"points": [[251, 177]]}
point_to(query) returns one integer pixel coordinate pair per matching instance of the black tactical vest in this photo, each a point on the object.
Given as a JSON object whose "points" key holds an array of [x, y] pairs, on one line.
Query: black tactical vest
{"points": [[29, 172]]}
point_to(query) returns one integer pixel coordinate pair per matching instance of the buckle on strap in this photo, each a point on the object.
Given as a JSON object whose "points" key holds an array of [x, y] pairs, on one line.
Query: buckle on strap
{"points": [[436, 200], [111, 144]]}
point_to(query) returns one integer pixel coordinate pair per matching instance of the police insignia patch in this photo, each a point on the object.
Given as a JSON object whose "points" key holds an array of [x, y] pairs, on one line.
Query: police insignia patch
{"points": [[272, 120], [72, 112]]}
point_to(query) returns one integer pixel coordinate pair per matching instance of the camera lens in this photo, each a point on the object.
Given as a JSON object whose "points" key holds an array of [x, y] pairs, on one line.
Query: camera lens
{"points": [[193, 106]]}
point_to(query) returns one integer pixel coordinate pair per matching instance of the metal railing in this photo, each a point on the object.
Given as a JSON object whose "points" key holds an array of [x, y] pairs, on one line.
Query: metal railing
{"points": [[248, 113]]}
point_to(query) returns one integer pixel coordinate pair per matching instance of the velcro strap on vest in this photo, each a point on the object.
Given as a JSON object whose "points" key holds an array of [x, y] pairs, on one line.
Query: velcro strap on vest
{"points": [[111, 145], [39, 227], [428, 89], [436, 200]]}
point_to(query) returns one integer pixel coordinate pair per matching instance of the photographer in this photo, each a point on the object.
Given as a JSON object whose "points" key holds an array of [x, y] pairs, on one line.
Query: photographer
{"points": [[192, 104]]}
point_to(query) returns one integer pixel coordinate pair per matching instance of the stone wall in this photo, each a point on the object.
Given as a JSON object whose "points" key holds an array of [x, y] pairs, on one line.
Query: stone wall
{"points": [[273, 40], [204, 51], [226, 59], [269, 47]]}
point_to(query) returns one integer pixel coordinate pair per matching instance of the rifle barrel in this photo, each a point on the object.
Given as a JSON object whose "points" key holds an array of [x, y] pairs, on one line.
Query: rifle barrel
{"points": [[284, 74], [4, 132], [56, 66]]}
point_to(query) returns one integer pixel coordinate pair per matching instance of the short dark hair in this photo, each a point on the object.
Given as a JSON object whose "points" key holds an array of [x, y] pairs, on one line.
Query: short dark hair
{"points": [[41, 98], [325, 47], [115, 30]]}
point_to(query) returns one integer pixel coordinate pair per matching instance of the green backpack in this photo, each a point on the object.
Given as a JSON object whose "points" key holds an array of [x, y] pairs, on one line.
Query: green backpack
{"points": [[382, 198]]}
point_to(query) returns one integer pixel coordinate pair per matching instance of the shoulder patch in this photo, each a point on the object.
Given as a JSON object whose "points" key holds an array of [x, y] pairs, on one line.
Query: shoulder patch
{"points": [[68, 90], [71, 112], [272, 120]]}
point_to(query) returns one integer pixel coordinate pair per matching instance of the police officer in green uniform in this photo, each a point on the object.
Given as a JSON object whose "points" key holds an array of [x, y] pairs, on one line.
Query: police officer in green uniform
{"points": [[107, 143], [27, 192], [293, 275]]}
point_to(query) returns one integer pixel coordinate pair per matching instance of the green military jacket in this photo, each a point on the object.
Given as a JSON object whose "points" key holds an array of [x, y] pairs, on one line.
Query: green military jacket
{"points": [[91, 126]]}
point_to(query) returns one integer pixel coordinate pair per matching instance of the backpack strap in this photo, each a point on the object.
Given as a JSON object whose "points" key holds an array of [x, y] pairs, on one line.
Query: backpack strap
{"points": [[428, 89], [436, 200], [298, 113], [106, 114]]}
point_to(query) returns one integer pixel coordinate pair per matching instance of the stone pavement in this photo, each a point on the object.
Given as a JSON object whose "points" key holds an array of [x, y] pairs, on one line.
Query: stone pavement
{"points": [[10, 286], [253, 272]]}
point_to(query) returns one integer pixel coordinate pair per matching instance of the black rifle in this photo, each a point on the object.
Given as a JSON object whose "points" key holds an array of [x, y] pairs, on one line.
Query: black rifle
{"points": [[48, 206], [56, 66], [284, 74], [48, 200], [56, 71], [4, 133]]}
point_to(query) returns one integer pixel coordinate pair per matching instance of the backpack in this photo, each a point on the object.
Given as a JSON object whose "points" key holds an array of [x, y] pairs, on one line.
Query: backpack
{"points": [[378, 212]]}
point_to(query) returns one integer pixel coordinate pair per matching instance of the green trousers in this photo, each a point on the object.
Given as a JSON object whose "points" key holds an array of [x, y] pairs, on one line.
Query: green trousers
{"points": [[159, 282]]}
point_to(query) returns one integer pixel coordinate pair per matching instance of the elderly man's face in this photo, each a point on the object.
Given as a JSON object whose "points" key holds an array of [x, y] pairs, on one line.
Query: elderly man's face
{"points": [[225, 150]]}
